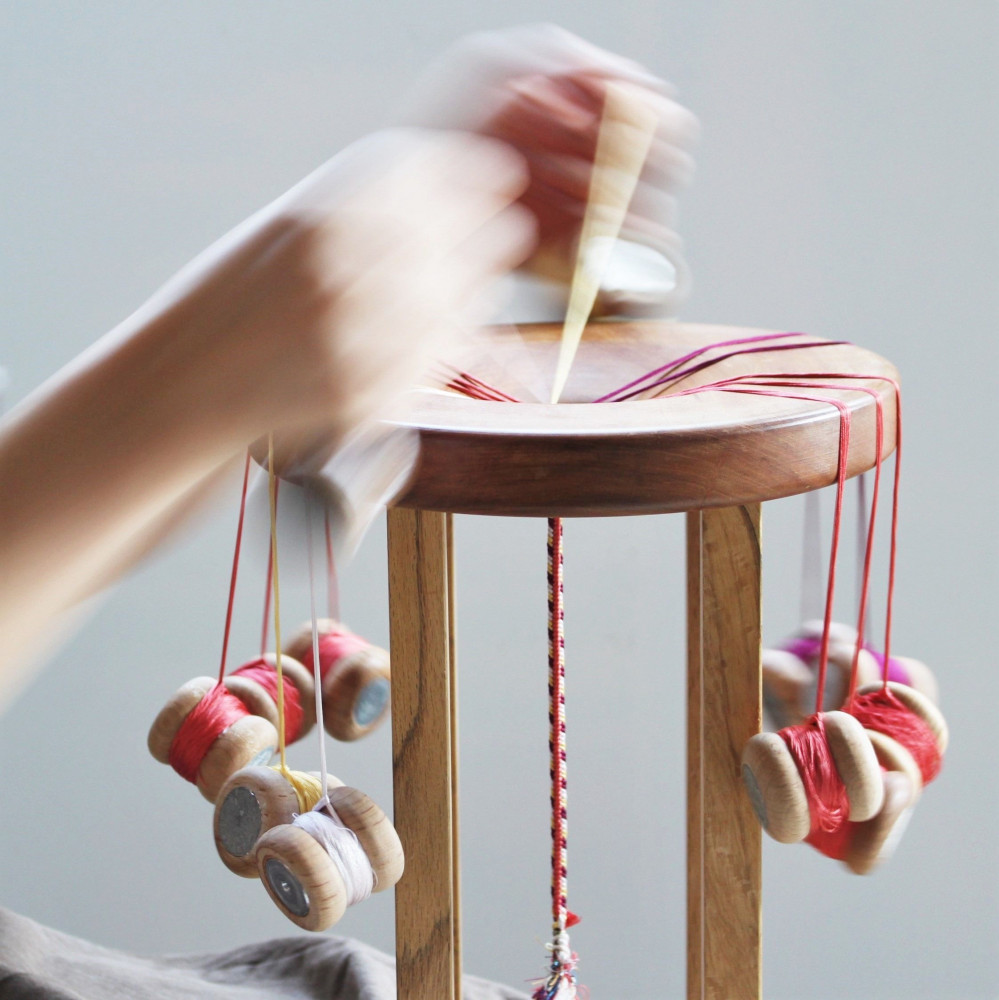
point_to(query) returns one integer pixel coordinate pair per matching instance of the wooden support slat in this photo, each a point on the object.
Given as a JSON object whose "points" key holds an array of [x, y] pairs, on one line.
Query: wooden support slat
{"points": [[420, 597], [723, 710], [455, 825]]}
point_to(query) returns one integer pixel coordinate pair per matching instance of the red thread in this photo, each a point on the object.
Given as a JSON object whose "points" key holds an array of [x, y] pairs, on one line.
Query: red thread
{"points": [[475, 388], [828, 804], [204, 724], [672, 366], [333, 647], [266, 676], [893, 541], [741, 383], [733, 385], [884, 712]]}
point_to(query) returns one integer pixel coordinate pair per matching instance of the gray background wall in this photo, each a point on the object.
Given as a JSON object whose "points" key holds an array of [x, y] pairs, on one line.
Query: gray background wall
{"points": [[846, 186]]}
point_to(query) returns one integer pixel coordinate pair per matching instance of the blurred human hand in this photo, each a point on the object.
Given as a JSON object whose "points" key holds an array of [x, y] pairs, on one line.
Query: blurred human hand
{"points": [[540, 89], [310, 319], [321, 310]]}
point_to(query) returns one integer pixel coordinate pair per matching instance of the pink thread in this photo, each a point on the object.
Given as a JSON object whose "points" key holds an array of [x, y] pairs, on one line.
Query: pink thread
{"points": [[678, 376], [806, 648], [671, 366]]}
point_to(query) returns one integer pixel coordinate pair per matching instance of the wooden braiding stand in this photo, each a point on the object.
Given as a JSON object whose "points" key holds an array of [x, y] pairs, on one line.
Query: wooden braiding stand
{"points": [[715, 456]]}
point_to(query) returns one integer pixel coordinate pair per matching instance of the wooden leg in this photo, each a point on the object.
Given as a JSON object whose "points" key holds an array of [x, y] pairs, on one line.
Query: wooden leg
{"points": [[723, 711], [428, 961]]}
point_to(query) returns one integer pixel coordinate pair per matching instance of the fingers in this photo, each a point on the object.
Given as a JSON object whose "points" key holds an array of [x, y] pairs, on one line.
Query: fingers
{"points": [[418, 230]]}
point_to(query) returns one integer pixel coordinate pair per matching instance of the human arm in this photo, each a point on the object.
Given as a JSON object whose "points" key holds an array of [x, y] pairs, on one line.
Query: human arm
{"points": [[314, 315]]}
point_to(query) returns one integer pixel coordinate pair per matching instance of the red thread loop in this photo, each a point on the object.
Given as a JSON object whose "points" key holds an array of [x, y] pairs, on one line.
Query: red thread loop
{"points": [[885, 713], [204, 724], [264, 674]]}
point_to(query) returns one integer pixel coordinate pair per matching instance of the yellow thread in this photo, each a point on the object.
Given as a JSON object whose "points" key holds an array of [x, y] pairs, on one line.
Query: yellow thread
{"points": [[308, 788], [272, 494]]}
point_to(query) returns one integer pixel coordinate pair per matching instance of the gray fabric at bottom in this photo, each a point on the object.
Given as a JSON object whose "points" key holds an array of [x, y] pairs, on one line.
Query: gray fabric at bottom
{"points": [[37, 963]]}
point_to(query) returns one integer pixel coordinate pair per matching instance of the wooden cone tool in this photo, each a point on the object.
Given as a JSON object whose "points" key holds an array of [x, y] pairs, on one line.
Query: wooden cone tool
{"points": [[626, 130]]}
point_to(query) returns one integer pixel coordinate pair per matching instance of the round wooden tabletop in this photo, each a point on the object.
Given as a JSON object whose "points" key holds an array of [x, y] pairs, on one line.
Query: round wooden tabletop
{"points": [[671, 452]]}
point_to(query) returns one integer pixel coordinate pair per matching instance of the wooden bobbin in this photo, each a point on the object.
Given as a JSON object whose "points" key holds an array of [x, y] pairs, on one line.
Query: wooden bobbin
{"points": [[356, 687], [249, 740], [873, 842], [787, 681], [775, 789], [375, 832], [259, 702], [841, 657], [842, 642], [856, 763], [249, 804], [920, 676], [920, 705], [302, 879], [892, 756]]}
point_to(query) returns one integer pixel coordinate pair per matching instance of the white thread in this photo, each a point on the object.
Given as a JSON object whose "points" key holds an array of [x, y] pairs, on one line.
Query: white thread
{"points": [[560, 947], [343, 847]]}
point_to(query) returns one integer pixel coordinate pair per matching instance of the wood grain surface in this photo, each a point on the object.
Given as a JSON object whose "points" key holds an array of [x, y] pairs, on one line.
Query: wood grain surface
{"points": [[671, 453], [426, 904], [724, 862]]}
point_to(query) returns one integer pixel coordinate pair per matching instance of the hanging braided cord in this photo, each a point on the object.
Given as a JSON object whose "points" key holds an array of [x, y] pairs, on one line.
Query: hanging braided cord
{"points": [[556, 720], [561, 979]]}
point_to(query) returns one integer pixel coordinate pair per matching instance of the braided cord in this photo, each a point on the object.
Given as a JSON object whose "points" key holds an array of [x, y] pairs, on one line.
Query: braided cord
{"points": [[561, 979], [556, 720]]}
